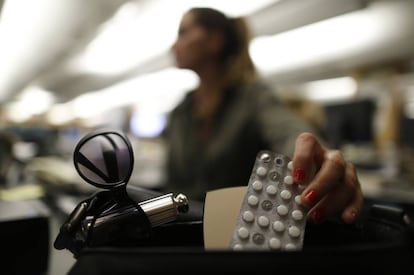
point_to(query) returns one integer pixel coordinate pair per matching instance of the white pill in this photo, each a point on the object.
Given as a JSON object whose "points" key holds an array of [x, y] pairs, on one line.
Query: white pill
{"points": [[274, 243], [288, 180], [252, 200], [248, 216], [294, 231], [261, 171], [297, 199], [297, 215], [271, 190], [263, 221], [282, 210], [285, 194], [257, 185], [243, 233], [290, 165], [237, 246], [290, 247], [278, 226]]}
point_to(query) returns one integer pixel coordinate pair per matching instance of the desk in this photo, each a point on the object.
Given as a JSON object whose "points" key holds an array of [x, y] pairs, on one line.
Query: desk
{"points": [[375, 185], [24, 236]]}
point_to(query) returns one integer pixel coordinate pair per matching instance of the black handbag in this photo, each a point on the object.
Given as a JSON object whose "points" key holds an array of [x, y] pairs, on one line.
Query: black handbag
{"points": [[380, 242], [131, 230]]}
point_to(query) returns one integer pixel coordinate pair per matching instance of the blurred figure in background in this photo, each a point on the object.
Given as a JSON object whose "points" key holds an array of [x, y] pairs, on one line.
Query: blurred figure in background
{"points": [[215, 133], [7, 158]]}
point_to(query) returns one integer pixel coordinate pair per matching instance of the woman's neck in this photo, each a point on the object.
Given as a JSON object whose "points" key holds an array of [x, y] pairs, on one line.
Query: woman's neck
{"points": [[209, 93], [212, 79]]}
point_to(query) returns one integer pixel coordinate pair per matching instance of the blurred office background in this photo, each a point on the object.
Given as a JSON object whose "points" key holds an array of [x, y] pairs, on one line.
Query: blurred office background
{"points": [[68, 67]]}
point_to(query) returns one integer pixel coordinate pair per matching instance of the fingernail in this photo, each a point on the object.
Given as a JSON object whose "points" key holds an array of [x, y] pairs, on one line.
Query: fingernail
{"points": [[311, 196], [318, 216], [353, 215], [298, 174]]}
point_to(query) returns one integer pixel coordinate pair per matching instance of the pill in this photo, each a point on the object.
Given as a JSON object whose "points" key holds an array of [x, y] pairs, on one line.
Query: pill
{"points": [[285, 194], [271, 190], [261, 171], [263, 221], [257, 185]]}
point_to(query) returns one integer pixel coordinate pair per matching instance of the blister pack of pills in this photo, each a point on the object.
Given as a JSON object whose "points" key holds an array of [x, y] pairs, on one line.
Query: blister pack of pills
{"points": [[271, 217]]}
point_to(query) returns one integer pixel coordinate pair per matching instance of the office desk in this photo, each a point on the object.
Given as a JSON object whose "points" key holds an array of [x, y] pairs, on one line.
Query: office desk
{"points": [[24, 237]]}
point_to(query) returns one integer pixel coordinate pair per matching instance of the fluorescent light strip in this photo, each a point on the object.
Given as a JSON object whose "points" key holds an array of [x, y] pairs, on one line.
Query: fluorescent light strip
{"points": [[156, 92], [326, 41], [330, 89]]}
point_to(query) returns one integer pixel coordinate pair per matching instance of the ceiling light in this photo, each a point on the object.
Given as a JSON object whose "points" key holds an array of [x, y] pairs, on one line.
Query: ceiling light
{"points": [[32, 101], [337, 39], [333, 89]]}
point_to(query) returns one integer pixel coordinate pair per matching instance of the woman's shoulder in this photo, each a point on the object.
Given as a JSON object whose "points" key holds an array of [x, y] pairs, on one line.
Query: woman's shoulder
{"points": [[256, 86], [259, 90]]}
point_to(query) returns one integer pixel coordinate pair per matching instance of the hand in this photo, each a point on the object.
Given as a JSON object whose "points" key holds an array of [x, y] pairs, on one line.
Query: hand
{"points": [[334, 188]]}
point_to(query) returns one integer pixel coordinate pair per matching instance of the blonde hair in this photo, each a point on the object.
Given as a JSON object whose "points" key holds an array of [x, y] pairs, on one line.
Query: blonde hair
{"points": [[241, 66]]}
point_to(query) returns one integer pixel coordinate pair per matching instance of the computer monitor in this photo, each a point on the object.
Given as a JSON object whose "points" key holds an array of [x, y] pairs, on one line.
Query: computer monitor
{"points": [[147, 124], [406, 132], [349, 122]]}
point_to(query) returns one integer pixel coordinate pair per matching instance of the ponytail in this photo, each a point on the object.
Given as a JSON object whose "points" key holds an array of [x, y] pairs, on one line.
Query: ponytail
{"points": [[241, 66]]}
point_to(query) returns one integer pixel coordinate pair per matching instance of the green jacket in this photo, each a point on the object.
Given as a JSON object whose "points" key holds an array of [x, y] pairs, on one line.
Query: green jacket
{"points": [[251, 118]]}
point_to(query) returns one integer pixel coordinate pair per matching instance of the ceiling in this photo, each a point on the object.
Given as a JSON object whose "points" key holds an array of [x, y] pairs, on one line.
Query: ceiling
{"points": [[68, 28]]}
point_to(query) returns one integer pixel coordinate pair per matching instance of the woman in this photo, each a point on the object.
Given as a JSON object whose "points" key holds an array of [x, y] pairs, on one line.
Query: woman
{"points": [[214, 134]]}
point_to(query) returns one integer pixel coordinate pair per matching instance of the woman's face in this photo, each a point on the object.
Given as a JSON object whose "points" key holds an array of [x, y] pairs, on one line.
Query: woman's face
{"points": [[191, 49]]}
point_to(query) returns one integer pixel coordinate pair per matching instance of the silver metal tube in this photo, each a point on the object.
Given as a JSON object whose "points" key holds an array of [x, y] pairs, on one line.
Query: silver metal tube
{"points": [[164, 208]]}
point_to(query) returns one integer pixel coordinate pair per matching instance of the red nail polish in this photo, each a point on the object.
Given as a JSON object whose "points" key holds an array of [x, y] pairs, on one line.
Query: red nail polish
{"points": [[311, 196], [318, 216], [298, 174], [353, 215]]}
